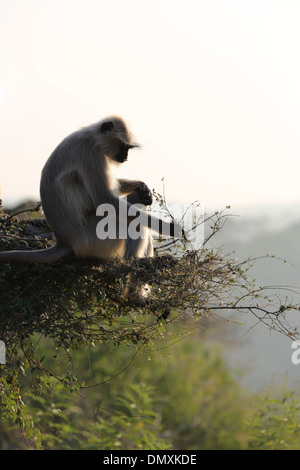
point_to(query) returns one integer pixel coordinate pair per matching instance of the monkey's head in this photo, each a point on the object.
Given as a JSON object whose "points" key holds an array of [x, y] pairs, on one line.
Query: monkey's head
{"points": [[116, 139]]}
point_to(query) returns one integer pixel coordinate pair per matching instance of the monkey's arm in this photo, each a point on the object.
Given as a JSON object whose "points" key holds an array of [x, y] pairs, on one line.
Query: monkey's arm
{"points": [[93, 176], [141, 194], [137, 191], [128, 186]]}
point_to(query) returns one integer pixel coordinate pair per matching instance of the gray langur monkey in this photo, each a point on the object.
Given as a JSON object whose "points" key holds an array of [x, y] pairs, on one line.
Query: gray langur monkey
{"points": [[76, 179]]}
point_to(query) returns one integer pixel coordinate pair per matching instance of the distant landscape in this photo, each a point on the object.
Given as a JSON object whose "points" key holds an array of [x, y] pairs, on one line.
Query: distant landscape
{"points": [[264, 355]]}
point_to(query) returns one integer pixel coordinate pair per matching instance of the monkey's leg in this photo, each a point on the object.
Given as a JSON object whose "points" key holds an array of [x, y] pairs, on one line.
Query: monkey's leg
{"points": [[149, 250], [136, 291]]}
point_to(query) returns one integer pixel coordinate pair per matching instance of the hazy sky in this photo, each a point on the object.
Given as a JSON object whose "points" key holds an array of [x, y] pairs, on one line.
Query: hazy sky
{"points": [[210, 88]]}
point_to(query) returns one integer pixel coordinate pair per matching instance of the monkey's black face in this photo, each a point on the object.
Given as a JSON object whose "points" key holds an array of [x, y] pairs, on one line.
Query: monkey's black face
{"points": [[122, 154]]}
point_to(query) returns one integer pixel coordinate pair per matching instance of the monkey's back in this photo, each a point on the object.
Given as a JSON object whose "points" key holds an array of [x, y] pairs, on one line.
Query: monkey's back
{"points": [[65, 198]]}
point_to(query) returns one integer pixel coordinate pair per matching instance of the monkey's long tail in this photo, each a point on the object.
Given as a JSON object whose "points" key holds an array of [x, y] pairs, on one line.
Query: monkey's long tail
{"points": [[47, 255]]}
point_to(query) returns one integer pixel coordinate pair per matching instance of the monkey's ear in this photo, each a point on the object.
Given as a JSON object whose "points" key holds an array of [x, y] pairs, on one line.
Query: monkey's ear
{"points": [[106, 127]]}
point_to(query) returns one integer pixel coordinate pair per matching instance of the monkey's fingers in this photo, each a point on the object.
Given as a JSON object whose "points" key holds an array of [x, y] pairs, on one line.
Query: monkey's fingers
{"points": [[142, 188], [145, 194], [147, 200]]}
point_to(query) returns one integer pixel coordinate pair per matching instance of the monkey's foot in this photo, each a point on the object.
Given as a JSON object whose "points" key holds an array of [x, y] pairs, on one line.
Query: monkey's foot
{"points": [[139, 297]]}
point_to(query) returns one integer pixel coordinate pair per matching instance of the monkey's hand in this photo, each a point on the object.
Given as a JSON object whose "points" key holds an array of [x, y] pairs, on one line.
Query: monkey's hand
{"points": [[144, 193]]}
